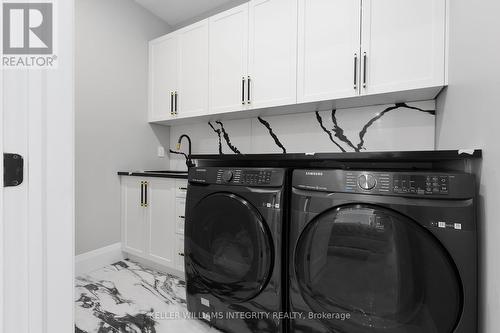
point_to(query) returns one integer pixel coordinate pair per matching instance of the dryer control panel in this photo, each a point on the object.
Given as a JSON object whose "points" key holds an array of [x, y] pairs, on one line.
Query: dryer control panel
{"points": [[238, 176], [418, 184]]}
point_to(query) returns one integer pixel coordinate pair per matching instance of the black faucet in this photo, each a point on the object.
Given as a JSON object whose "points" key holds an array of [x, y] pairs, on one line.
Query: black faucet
{"points": [[189, 162]]}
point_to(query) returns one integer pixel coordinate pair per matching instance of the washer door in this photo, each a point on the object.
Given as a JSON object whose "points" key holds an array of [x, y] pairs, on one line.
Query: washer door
{"points": [[229, 247], [389, 273]]}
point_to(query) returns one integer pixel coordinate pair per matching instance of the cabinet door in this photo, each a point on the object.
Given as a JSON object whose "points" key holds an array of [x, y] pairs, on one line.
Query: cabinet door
{"points": [[329, 49], [192, 97], [404, 43], [273, 53], [163, 64], [228, 60], [181, 188], [133, 216], [180, 215], [179, 264], [161, 222]]}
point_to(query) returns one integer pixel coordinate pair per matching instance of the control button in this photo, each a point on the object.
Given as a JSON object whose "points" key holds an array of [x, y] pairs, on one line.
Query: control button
{"points": [[227, 176], [367, 182]]}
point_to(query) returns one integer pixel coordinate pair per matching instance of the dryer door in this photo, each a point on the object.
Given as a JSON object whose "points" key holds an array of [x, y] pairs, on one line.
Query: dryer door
{"points": [[382, 268], [229, 247]]}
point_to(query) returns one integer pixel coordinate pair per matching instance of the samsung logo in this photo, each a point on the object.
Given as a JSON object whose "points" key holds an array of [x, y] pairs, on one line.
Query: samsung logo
{"points": [[314, 173], [201, 170]]}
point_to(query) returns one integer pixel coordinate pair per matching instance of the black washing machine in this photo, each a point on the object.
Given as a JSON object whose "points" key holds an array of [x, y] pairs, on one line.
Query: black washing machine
{"points": [[233, 246], [383, 252]]}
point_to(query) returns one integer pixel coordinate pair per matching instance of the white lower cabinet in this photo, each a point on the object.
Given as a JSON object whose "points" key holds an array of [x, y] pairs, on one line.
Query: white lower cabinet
{"points": [[180, 212], [133, 216], [159, 220], [179, 259], [153, 211]]}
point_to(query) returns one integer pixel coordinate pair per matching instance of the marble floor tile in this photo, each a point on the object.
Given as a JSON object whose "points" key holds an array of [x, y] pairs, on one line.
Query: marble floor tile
{"points": [[126, 297]]}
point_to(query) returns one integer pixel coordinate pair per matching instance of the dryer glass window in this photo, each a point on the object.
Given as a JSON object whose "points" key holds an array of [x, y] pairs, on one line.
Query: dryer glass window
{"points": [[230, 247], [386, 271]]}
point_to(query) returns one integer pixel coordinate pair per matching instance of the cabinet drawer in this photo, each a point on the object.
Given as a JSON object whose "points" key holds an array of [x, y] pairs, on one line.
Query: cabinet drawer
{"points": [[179, 262], [180, 212], [180, 188]]}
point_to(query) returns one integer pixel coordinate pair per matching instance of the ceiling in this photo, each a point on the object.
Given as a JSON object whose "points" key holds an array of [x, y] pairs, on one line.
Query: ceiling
{"points": [[177, 12]]}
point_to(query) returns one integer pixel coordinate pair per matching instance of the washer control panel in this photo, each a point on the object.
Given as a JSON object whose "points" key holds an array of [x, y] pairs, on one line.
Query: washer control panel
{"points": [[399, 183], [394, 183], [367, 182], [248, 177], [238, 176], [421, 184]]}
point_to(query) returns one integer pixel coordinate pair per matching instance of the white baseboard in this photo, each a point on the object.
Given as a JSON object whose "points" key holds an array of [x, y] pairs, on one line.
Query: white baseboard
{"points": [[90, 261]]}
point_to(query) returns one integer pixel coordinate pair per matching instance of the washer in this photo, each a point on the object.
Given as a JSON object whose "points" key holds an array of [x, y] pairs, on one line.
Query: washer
{"points": [[383, 252], [233, 246]]}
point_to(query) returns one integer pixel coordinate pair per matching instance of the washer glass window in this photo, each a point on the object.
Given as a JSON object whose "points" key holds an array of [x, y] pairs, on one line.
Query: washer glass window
{"points": [[230, 247], [386, 271]]}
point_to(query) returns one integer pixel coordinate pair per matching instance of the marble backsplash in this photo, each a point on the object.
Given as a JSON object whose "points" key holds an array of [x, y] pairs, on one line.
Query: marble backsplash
{"points": [[404, 126]]}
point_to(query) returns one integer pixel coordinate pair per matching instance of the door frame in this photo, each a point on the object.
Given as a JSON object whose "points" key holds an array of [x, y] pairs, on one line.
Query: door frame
{"points": [[48, 262]]}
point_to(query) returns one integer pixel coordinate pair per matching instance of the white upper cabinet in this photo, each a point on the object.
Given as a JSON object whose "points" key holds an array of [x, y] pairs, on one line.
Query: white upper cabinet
{"points": [[272, 53], [228, 45], [404, 44], [329, 49], [192, 95], [163, 65]]}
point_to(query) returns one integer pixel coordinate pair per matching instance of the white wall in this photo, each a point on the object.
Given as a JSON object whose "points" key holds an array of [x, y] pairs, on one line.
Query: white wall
{"points": [[112, 132], [402, 128], [468, 116]]}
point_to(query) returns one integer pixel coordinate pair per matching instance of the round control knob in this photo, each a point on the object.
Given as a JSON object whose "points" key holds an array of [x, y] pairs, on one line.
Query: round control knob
{"points": [[227, 176], [367, 182]]}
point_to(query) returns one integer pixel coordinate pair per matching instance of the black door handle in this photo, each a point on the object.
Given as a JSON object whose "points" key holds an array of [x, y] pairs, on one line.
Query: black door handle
{"points": [[355, 71], [364, 70], [172, 103], [243, 90], [175, 97], [146, 194], [249, 90], [142, 194]]}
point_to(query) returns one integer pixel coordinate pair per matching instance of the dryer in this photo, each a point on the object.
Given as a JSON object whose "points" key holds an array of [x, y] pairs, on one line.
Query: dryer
{"points": [[233, 247], [383, 252]]}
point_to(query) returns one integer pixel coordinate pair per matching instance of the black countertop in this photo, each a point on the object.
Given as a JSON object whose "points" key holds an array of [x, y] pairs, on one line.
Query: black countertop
{"points": [[156, 174], [389, 156], [459, 160], [431, 159]]}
